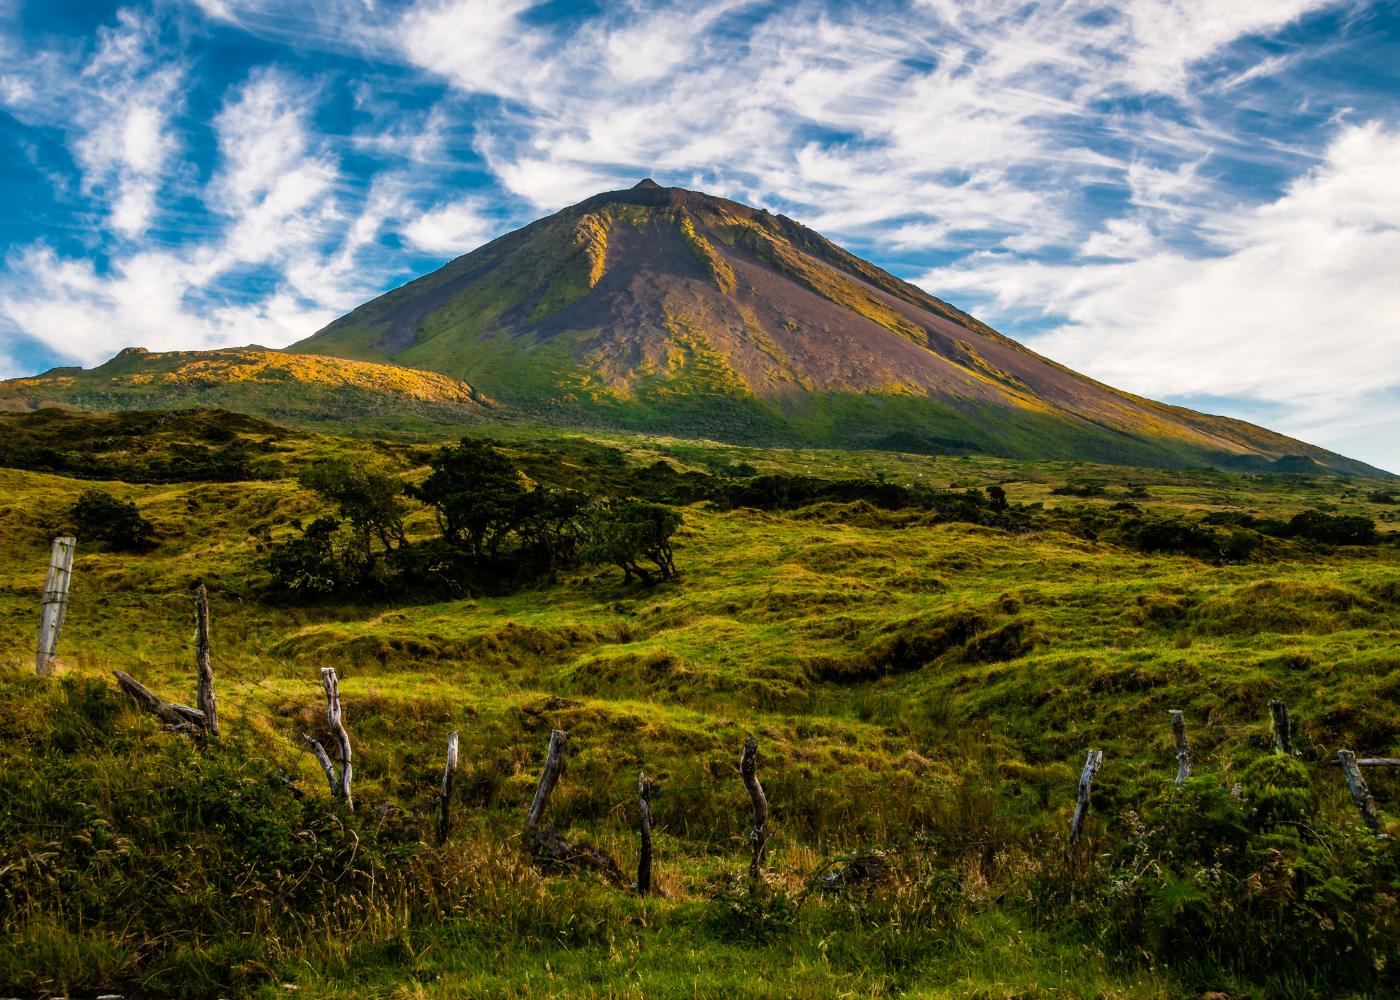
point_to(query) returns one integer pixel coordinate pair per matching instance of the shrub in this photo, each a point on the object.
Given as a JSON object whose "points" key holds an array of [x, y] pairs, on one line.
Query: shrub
{"points": [[100, 516]]}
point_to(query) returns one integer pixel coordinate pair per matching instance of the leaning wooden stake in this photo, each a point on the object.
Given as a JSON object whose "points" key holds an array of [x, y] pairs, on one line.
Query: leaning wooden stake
{"points": [[1283, 730], [180, 718], [54, 604], [324, 759], [748, 770], [1183, 748], [644, 827], [549, 777], [332, 686], [449, 774], [1081, 807], [202, 663], [1360, 794]]}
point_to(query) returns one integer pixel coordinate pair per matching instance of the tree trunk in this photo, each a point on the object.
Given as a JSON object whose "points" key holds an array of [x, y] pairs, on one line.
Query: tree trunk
{"points": [[332, 686], [1081, 806], [202, 662], [644, 828], [549, 777], [449, 774], [748, 770], [1183, 748], [53, 607]]}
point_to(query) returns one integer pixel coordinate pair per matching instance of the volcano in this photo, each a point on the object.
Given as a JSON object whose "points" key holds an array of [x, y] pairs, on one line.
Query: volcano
{"points": [[671, 311]]}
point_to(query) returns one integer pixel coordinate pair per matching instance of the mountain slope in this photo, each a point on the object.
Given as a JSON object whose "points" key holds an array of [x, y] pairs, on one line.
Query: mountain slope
{"points": [[668, 310], [304, 390]]}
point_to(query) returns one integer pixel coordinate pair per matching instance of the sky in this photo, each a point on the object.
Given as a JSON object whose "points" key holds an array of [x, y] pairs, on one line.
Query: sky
{"points": [[1194, 200]]}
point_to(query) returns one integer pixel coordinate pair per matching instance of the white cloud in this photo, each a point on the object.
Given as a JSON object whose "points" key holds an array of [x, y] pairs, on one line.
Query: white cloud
{"points": [[453, 228], [1300, 310]]}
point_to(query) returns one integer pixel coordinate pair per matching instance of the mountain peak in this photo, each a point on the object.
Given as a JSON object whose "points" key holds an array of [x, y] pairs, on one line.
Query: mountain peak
{"points": [[646, 184]]}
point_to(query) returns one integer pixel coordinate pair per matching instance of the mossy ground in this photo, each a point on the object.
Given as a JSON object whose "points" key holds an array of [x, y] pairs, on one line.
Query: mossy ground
{"points": [[1035, 648]]}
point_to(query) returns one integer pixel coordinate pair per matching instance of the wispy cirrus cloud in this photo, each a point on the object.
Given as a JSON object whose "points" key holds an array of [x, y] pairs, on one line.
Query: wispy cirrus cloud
{"points": [[1096, 176]]}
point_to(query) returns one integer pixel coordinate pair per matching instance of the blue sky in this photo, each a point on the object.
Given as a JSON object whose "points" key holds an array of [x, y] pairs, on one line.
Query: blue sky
{"points": [[1196, 200]]}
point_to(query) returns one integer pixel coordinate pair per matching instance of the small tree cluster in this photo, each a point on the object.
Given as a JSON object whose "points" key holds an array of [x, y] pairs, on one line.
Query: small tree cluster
{"points": [[494, 529], [99, 516]]}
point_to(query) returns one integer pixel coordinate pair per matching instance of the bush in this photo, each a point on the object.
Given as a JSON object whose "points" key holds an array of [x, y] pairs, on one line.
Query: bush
{"points": [[99, 516], [1257, 885], [1333, 529]]}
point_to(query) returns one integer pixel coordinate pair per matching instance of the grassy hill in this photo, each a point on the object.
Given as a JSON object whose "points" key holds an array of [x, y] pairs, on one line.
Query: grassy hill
{"points": [[919, 685], [350, 397]]}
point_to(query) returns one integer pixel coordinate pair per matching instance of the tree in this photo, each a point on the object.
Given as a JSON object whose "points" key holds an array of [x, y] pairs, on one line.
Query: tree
{"points": [[100, 516], [476, 492], [370, 498], [550, 524], [625, 532]]}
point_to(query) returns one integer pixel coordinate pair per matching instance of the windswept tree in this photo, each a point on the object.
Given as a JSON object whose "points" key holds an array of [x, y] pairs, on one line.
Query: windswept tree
{"points": [[369, 497], [476, 492], [627, 533], [550, 524]]}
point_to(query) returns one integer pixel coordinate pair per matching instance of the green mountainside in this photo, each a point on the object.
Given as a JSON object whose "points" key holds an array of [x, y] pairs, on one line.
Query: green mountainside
{"points": [[671, 311]]}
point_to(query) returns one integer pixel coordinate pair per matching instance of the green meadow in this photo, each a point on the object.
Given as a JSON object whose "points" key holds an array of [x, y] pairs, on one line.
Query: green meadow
{"points": [[924, 691]]}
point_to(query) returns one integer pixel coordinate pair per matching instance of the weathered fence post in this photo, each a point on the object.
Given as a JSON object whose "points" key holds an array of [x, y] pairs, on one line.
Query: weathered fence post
{"points": [[449, 773], [201, 657], [748, 770], [1360, 794], [644, 827], [332, 686], [1081, 806], [324, 759], [180, 718], [1183, 748], [549, 777], [54, 604], [1283, 730]]}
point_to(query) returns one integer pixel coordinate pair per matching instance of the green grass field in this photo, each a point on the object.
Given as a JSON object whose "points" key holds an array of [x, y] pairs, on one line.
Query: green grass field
{"points": [[132, 861]]}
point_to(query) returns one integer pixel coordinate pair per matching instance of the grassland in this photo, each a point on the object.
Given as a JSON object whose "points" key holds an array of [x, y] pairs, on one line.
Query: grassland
{"points": [[135, 861]]}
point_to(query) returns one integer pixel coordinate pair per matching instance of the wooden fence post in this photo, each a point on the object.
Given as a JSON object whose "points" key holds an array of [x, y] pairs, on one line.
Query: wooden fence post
{"points": [[324, 759], [549, 777], [644, 827], [1183, 748], [449, 773], [1081, 806], [332, 686], [180, 718], [1283, 730], [748, 770], [53, 605], [1360, 794], [202, 663]]}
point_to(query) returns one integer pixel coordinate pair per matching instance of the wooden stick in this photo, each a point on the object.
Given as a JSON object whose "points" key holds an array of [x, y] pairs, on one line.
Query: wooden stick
{"points": [[1360, 794], [53, 606], [1081, 807], [748, 770], [202, 663], [1283, 730], [549, 777], [449, 773], [1378, 762], [1183, 748], [324, 759], [332, 686], [179, 717], [644, 827]]}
